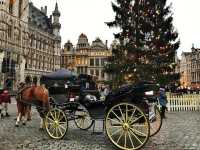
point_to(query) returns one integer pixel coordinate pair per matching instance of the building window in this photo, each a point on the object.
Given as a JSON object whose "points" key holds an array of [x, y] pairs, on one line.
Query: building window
{"points": [[11, 7], [102, 62], [9, 31], [102, 74], [97, 62], [78, 61], [62, 60], [78, 70], [91, 62], [92, 72], [85, 70], [20, 8], [82, 61], [40, 45], [97, 73], [36, 65]]}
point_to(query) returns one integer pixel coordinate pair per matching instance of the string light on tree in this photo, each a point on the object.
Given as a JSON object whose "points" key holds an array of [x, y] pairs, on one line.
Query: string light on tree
{"points": [[148, 40]]}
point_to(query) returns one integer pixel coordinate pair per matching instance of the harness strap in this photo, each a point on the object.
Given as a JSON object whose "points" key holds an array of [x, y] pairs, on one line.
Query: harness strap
{"points": [[20, 91]]}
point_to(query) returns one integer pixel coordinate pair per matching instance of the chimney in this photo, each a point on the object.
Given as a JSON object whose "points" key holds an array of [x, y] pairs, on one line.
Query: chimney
{"points": [[50, 18], [45, 10], [193, 49], [42, 9], [106, 43]]}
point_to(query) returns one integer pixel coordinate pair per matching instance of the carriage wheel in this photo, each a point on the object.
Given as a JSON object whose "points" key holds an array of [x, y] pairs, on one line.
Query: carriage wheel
{"points": [[155, 120], [56, 123], [82, 118], [125, 123]]}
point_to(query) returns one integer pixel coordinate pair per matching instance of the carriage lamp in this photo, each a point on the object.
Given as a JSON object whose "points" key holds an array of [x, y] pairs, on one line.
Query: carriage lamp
{"points": [[66, 86], [149, 93], [55, 85]]}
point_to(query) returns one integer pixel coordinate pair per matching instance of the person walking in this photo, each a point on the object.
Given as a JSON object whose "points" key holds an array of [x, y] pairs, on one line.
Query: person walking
{"points": [[163, 102], [5, 99]]}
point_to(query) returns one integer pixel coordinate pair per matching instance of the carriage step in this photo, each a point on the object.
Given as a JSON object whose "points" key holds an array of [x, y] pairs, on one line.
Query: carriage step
{"points": [[103, 127]]}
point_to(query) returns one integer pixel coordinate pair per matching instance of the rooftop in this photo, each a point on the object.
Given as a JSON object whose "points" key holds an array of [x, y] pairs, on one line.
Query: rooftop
{"points": [[39, 19]]}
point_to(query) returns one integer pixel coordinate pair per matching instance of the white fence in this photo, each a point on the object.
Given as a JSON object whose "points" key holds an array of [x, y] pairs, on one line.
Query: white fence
{"points": [[183, 102]]}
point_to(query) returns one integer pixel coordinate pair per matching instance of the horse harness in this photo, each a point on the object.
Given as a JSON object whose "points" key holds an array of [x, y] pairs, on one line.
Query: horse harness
{"points": [[19, 93], [41, 110]]}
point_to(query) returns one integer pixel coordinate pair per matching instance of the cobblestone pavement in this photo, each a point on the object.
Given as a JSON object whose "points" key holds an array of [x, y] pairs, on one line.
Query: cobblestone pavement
{"points": [[180, 131]]}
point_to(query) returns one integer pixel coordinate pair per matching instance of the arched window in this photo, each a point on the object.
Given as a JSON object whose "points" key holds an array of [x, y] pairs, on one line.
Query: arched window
{"points": [[20, 8], [11, 6]]}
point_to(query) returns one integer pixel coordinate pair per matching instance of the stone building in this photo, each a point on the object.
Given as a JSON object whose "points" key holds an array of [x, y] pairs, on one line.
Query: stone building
{"points": [[195, 68], [190, 68], [30, 41], [85, 58], [185, 69]]}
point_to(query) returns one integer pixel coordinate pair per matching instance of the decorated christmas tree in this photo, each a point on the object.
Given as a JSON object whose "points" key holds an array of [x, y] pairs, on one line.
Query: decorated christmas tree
{"points": [[147, 42]]}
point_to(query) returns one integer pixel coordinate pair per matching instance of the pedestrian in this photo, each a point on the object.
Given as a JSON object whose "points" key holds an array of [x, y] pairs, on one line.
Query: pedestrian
{"points": [[4, 100], [163, 102], [106, 90]]}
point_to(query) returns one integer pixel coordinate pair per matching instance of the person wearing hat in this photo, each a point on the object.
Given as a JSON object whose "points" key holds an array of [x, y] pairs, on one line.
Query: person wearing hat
{"points": [[163, 102]]}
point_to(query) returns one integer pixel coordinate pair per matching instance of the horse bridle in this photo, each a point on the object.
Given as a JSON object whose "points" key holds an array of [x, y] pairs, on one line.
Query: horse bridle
{"points": [[21, 88]]}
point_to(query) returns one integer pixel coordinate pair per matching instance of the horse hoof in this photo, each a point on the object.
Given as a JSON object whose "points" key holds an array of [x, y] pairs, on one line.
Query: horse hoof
{"points": [[24, 123], [16, 125], [41, 129]]}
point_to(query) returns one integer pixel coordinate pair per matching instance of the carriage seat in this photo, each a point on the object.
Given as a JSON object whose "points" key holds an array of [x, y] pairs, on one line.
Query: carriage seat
{"points": [[91, 98], [93, 93], [88, 91], [58, 98]]}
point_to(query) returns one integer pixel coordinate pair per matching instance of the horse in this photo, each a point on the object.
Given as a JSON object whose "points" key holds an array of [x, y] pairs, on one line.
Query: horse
{"points": [[32, 95]]}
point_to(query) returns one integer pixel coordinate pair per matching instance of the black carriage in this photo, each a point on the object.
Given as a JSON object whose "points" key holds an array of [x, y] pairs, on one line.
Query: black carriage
{"points": [[130, 112]]}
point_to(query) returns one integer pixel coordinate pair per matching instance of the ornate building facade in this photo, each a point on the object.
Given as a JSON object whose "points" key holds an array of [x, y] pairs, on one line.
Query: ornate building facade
{"points": [[190, 69], [86, 58], [30, 41], [185, 69]]}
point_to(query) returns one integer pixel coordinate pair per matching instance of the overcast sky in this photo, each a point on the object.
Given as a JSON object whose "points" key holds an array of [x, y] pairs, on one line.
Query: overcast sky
{"points": [[88, 16]]}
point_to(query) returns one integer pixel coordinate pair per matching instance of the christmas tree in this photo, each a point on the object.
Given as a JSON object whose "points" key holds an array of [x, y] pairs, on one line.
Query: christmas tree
{"points": [[147, 41]]}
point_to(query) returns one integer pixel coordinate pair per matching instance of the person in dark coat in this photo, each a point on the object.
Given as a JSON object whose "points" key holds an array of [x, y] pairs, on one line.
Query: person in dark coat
{"points": [[163, 102]]}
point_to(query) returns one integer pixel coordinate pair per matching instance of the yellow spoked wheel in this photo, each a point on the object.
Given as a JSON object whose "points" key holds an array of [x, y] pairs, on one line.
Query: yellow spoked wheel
{"points": [[127, 126], [82, 118], [56, 123], [154, 120]]}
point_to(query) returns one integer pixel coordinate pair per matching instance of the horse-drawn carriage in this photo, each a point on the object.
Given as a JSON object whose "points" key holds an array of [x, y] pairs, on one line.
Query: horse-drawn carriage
{"points": [[130, 113]]}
